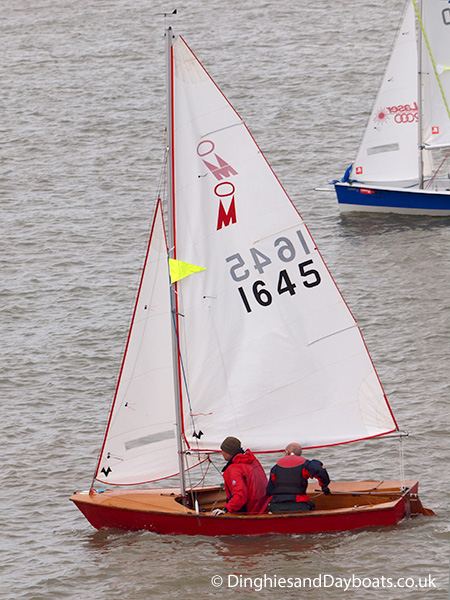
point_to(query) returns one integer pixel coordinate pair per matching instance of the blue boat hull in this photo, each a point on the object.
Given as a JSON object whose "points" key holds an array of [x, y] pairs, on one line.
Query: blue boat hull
{"points": [[357, 197]]}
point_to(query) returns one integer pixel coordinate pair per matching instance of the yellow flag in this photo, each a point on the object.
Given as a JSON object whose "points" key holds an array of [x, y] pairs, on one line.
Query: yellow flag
{"points": [[180, 269]]}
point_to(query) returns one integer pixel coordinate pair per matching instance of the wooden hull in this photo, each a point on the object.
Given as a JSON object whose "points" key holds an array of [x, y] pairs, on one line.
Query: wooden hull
{"points": [[352, 505]]}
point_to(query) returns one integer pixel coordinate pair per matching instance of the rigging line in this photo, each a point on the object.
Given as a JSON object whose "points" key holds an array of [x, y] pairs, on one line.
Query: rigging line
{"points": [[162, 173], [221, 486], [193, 494], [183, 372], [204, 474], [430, 183], [214, 465], [191, 491], [201, 465], [402, 463], [192, 488], [419, 18]]}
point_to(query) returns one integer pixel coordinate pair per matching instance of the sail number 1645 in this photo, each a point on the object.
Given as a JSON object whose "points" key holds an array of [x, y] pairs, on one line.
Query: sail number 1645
{"points": [[286, 251], [285, 285]]}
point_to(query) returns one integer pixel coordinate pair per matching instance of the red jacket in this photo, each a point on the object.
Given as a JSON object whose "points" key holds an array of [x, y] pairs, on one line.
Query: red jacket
{"points": [[245, 484]]}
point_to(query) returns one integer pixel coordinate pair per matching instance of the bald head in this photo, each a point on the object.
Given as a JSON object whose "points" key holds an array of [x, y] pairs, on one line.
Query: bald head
{"points": [[293, 449]]}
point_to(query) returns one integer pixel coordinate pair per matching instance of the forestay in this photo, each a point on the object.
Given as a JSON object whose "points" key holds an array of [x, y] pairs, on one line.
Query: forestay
{"points": [[270, 350]]}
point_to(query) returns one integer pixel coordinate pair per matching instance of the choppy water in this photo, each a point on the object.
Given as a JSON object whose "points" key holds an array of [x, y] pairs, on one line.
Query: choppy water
{"points": [[82, 99]]}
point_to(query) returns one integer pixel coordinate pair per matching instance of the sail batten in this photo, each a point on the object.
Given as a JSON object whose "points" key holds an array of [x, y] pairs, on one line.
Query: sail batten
{"points": [[222, 129], [330, 334]]}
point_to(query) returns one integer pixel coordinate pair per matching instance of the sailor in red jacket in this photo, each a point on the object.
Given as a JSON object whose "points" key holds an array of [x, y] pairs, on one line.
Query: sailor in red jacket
{"points": [[245, 480], [288, 481]]}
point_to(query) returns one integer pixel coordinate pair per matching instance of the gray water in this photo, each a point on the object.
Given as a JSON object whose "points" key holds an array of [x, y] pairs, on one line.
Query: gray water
{"points": [[82, 100]]}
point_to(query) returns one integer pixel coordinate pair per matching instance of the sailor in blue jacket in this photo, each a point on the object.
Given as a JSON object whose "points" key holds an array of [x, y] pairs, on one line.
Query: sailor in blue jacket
{"points": [[288, 481]]}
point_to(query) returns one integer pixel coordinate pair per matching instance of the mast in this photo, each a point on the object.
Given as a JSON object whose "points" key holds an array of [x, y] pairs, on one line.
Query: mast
{"points": [[171, 238], [419, 99]]}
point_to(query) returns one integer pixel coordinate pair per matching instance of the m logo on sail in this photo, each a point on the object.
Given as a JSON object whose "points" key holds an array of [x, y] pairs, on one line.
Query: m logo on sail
{"points": [[224, 190], [221, 170]]}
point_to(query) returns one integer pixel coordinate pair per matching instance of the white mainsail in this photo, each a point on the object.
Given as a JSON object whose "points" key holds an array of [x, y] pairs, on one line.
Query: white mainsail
{"points": [[389, 149], [270, 350], [140, 443], [435, 70]]}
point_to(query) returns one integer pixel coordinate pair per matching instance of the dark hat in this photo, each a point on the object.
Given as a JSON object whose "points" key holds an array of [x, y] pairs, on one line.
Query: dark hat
{"points": [[231, 445]]}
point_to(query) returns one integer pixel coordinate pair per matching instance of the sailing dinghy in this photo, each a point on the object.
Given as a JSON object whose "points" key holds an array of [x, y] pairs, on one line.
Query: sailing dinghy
{"points": [[409, 127], [238, 329]]}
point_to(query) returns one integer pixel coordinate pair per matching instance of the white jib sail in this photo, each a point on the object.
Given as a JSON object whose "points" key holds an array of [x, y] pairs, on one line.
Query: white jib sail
{"points": [[436, 78], [389, 149], [140, 443], [271, 352]]}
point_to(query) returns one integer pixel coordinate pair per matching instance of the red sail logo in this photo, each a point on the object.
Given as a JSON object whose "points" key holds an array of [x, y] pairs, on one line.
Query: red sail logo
{"points": [[221, 170], [225, 217], [401, 113], [225, 190]]}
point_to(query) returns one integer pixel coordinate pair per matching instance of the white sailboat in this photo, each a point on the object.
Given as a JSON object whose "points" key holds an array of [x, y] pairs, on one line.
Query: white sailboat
{"points": [[409, 127], [238, 329]]}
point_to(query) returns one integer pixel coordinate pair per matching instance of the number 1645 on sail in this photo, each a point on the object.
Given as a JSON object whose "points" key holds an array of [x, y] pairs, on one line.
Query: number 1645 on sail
{"points": [[264, 297]]}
